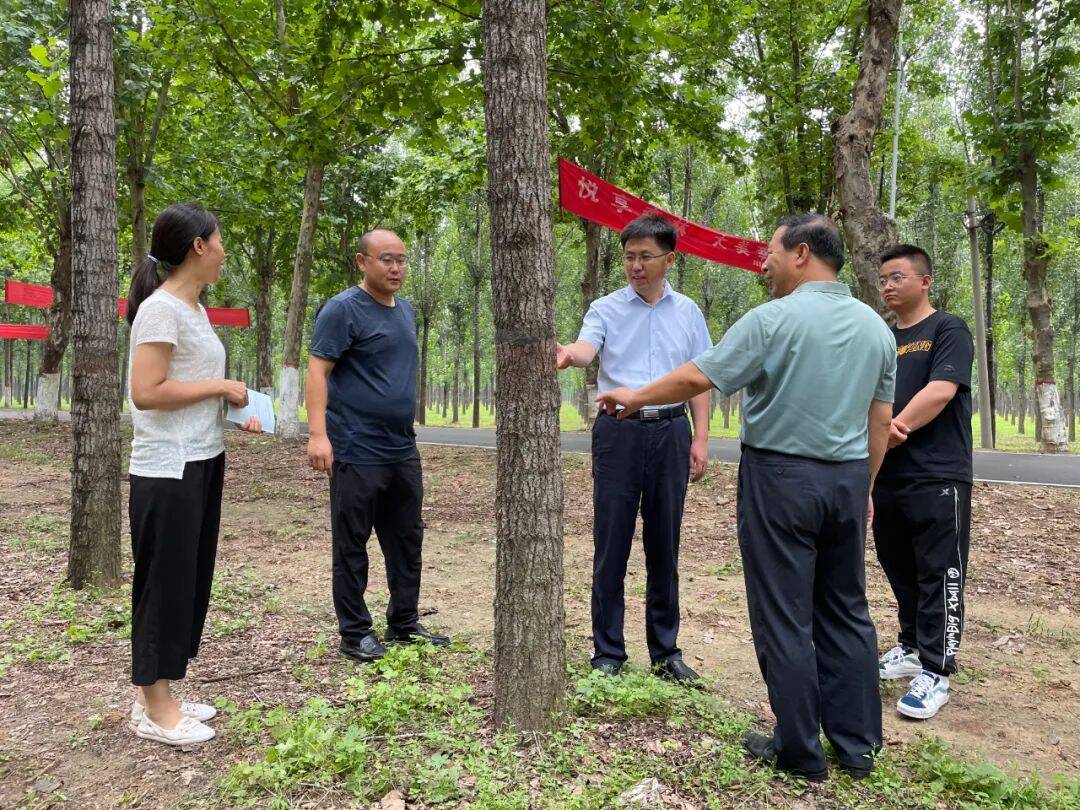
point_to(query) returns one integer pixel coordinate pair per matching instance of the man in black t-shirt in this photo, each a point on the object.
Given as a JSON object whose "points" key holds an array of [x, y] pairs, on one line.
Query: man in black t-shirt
{"points": [[361, 398], [922, 496]]}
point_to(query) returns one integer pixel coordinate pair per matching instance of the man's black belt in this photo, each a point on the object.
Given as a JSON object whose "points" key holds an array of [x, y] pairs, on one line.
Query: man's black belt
{"points": [[653, 414]]}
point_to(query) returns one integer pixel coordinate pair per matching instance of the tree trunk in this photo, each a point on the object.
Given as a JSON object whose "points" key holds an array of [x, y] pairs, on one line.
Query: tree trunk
{"points": [[421, 405], [26, 376], [591, 288], [687, 201], [986, 436], [288, 419], [264, 311], [94, 554], [1021, 375], [530, 654], [477, 280], [9, 372], [1051, 417], [457, 368], [867, 230], [52, 361], [989, 222]]}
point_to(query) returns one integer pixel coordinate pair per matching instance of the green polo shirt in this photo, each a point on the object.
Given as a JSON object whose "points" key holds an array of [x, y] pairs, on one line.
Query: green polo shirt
{"points": [[809, 365]]}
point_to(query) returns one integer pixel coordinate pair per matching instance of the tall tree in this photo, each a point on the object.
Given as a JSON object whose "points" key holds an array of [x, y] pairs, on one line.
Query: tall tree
{"points": [[94, 556], [530, 655], [34, 164], [1026, 131], [866, 228]]}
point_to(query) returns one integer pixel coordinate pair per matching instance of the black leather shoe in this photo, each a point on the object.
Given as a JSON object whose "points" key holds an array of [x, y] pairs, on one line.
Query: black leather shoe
{"points": [[610, 668], [675, 670], [366, 650], [761, 747], [414, 634], [858, 774]]}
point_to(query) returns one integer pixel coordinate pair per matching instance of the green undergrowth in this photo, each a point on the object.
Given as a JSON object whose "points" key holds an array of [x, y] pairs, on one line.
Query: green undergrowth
{"points": [[48, 627], [413, 722]]}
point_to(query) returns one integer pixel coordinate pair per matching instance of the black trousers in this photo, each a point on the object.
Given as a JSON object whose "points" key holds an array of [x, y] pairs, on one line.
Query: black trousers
{"points": [[386, 497], [922, 532], [802, 530], [174, 534], [644, 465]]}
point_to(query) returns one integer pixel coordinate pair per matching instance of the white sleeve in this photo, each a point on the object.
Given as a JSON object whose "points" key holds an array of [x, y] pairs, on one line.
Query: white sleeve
{"points": [[157, 322]]}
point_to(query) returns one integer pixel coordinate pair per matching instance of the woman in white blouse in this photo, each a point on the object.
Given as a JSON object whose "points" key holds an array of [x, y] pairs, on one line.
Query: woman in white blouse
{"points": [[177, 369]]}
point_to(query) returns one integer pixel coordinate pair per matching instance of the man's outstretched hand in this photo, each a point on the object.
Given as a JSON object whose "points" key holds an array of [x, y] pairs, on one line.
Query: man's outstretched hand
{"points": [[563, 358], [624, 398]]}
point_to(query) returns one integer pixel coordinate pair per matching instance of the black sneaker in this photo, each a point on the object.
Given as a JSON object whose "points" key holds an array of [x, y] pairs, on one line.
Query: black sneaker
{"points": [[610, 668], [676, 670], [366, 650], [762, 748], [414, 634]]}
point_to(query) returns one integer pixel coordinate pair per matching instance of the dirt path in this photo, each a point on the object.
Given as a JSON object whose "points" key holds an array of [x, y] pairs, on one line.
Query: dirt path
{"points": [[62, 724]]}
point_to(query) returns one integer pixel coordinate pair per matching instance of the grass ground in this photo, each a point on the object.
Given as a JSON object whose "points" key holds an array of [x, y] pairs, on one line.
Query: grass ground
{"points": [[301, 727]]}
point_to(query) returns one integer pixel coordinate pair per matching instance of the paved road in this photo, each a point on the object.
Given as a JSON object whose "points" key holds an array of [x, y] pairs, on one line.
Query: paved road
{"points": [[990, 465]]}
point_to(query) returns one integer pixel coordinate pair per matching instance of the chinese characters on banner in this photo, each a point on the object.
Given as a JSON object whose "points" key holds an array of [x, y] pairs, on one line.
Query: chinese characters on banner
{"points": [[596, 200]]}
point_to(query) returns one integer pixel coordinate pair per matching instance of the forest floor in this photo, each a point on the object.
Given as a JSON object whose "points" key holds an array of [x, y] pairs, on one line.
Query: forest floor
{"points": [[300, 726]]}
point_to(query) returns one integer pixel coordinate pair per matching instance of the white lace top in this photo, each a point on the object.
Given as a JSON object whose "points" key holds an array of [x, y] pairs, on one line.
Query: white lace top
{"points": [[165, 441]]}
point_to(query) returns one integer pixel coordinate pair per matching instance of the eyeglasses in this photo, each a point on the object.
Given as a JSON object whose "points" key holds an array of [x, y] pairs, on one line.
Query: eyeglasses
{"points": [[386, 258], [895, 279], [634, 258]]}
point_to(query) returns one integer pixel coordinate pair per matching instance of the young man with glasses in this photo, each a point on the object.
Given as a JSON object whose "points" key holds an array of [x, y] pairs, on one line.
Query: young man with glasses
{"points": [[922, 499], [361, 400], [640, 332]]}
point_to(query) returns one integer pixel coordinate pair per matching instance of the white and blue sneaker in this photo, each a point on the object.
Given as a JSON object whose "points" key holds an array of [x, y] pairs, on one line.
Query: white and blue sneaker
{"points": [[899, 662], [926, 694]]}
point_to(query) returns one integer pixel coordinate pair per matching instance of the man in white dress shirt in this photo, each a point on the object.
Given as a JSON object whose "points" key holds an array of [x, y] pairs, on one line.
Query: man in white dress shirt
{"points": [[641, 332]]}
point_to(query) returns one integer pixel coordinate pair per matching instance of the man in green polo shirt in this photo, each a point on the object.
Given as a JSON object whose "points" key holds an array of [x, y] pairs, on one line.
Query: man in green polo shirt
{"points": [[817, 369]]}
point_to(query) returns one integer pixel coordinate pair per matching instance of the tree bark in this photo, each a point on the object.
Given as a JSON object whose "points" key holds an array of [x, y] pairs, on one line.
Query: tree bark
{"points": [[288, 420], [530, 654], [52, 361], [1052, 435], [867, 230], [477, 281], [591, 288], [94, 553], [264, 310]]}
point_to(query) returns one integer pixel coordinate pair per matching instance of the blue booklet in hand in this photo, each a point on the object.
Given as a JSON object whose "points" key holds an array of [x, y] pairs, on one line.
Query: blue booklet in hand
{"points": [[259, 405]]}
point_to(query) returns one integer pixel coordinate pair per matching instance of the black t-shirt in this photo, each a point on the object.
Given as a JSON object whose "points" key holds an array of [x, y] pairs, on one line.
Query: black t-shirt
{"points": [[371, 396], [939, 347]]}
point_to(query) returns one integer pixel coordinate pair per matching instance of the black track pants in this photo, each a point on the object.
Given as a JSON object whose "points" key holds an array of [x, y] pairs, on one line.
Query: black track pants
{"points": [[922, 532]]}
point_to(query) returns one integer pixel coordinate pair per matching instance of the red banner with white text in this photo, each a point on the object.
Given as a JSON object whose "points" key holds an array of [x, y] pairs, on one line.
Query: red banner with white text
{"points": [[592, 198], [41, 295]]}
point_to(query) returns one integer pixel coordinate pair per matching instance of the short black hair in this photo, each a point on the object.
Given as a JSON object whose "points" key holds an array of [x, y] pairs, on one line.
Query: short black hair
{"points": [[915, 254], [651, 226], [819, 233]]}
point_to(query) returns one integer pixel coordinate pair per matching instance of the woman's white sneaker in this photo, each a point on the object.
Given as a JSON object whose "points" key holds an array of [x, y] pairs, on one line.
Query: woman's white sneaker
{"points": [[187, 732], [899, 662], [196, 711], [927, 693]]}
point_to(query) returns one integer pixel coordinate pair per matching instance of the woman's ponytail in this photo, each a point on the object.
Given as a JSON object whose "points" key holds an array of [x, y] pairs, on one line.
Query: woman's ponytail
{"points": [[175, 231], [143, 283]]}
